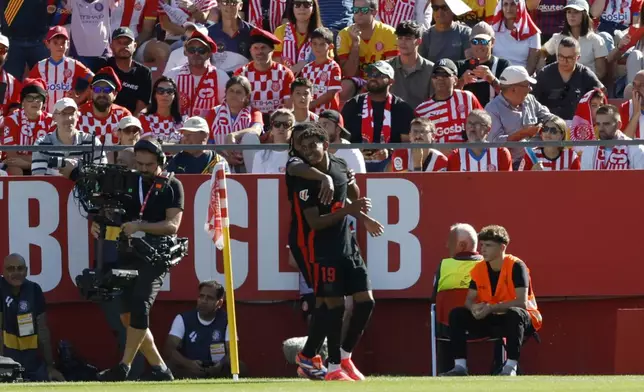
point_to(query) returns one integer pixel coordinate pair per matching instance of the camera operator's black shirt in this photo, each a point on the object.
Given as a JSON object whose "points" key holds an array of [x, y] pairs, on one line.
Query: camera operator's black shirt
{"points": [[170, 197]]}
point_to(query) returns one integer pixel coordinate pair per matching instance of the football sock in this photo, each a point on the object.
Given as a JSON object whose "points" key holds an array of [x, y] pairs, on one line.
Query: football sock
{"points": [[512, 363], [317, 332], [334, 333], [344, 354], [359, 320]]}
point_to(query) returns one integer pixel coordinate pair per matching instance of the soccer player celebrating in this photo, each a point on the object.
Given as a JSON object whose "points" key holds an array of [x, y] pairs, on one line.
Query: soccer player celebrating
{"points": [[331, 259]]}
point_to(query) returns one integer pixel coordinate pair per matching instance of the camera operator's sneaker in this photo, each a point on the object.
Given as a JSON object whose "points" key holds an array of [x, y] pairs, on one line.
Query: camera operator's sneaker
{"points": [[457, 371], [162, 375], [116, 373]]}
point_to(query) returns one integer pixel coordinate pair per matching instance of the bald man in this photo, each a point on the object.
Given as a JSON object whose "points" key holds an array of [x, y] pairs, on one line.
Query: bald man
{"points": [[454, 272], [23, 321], [631, 110]]}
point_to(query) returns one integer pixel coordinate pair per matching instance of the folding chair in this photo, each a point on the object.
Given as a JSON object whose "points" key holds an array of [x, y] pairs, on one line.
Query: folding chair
{"points": [[439, 316]]}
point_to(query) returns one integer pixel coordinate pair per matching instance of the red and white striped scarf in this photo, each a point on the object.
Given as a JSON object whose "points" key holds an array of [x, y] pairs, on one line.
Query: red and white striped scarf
{"points": [[275, 13], [367, 121], [290, 54], [582, 127], [223, 124], [392, 12], [197, 100], [615, 159], [524, 26]]}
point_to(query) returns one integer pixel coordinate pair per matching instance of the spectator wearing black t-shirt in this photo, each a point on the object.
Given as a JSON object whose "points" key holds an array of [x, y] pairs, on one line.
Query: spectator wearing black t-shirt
{"points": [[135, 77], [366, 118], [561, 85], [479, 74]]}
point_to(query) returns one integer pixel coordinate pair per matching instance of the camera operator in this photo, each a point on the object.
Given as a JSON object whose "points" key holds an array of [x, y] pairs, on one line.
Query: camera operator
{"points": [[59, 163], [158, 212]]}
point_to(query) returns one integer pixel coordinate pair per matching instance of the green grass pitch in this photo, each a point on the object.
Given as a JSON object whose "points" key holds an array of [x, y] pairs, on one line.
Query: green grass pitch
{"points": [[374, 384]]}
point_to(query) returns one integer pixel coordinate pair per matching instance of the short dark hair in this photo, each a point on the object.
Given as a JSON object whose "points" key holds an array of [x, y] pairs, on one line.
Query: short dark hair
{"points": [[494, 233], [301, 82], [408, 28], [570, 42], [323, 33], [610, 110], [312, 130], [219, 289]]}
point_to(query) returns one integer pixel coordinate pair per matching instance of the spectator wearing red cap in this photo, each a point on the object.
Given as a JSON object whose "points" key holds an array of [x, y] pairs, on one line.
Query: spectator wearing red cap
{"points": [[270, 81], [135, 77], [101, 115], [201, 85], [24, 126], [11, 94], [63, 76], [25, 24], [91, 29]]}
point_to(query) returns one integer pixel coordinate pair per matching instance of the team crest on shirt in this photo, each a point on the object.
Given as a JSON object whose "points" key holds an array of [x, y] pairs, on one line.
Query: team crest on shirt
{"points": [[304, 195], [41, 133], [492, 168], [461, 108], [23, 306], [324, 77], [220, 47], [216, 336], [7, 131], [389, 6], [206, 93], [398, 163], [98, 7], [184, 100], [379, 46], [275, 86]]}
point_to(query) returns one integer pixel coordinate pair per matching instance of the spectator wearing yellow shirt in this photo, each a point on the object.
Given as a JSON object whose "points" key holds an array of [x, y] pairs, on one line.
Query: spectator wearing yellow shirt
{"points": [[363, 43], [295, 49]]}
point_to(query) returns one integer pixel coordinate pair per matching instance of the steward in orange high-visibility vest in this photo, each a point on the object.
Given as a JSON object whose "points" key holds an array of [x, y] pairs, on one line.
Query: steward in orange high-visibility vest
{"points": [[500, 303]]}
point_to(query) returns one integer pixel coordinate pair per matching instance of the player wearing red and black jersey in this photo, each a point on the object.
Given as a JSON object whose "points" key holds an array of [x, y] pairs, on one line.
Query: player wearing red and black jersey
{"points": [[326, 251]]}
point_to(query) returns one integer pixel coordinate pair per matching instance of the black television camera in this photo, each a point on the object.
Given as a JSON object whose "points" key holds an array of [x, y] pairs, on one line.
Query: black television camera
{"points": [[106, 193]]}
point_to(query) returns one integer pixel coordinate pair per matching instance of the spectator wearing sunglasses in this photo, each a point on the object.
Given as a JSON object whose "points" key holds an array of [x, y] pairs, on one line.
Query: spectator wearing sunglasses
{"points": [[362, 44], [480, 73], [272, 161], [551, 157], [446, 39], [561, 85], [129, 132], [162, 119], [231, 35], [101, 115]]}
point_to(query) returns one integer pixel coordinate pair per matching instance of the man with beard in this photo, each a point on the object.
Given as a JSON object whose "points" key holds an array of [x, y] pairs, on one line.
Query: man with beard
{"points": [[136, 78], [64, 76], [608, 123], [159, 210], [378, 116], [101, 116], [11, 94], [201, 86]]}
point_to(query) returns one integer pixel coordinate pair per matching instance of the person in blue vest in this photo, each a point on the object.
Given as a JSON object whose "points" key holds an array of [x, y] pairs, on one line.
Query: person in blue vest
{"points": [[24, 323], [197, 345]]}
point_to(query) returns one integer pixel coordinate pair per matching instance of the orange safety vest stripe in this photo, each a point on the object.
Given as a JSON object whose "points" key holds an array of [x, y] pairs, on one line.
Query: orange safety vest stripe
{"points": [[505, 290]]}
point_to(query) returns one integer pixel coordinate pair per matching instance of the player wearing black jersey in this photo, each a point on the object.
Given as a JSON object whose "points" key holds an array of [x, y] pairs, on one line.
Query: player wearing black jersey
{"points": [[328, 255]]}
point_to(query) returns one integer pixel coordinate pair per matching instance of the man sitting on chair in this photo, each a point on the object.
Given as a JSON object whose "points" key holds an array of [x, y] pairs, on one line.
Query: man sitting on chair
{"points": [[512, 308]]}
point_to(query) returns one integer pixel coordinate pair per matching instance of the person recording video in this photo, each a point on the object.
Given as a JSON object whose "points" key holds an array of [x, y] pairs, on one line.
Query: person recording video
{"points": [[157, 211]]}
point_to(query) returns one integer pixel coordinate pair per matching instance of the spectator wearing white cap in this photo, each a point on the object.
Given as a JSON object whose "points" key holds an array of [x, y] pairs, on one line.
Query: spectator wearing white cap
{"points": [[129, 132], [516, 114], [11, 94], [446, 38], [195, 130], [579, 25], [479, 73], [52, 162], [232, 36]]}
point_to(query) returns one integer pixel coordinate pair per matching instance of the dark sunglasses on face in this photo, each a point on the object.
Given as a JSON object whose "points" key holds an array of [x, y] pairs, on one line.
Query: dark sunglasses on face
{"points": [[372, 72], [551, 130], [480, 41], [361, 10], [16, 268], [443, 7], [300, 4], [199, 50], [280, 124], [102, 90], [165, 91], [31, 98]]}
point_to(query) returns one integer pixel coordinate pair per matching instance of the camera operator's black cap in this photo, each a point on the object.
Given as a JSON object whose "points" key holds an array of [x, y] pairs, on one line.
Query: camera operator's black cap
{"points": [[151, 146]]}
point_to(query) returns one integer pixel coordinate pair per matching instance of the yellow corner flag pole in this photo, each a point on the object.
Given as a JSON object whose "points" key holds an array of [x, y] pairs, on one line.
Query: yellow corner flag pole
{"points": [[218, 226]]}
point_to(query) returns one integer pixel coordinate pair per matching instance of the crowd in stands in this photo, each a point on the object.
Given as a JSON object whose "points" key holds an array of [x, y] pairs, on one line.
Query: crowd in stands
{"points": [[377, 71]]}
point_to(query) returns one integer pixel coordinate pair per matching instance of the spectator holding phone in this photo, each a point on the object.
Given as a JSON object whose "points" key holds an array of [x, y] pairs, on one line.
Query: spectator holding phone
{"points": [[480, 73]]}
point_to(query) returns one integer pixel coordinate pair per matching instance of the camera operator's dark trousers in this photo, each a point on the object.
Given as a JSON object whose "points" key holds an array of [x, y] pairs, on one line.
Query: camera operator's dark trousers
{"points": [[139, 298], [513, 325]]}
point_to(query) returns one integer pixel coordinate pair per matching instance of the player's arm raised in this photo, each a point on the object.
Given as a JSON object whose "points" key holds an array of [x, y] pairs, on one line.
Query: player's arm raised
{"points": [[321, 222]]}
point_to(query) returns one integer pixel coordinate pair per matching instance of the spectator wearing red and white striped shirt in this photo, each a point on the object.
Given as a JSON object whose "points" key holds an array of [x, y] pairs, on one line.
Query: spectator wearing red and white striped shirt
{"points": [[25, 125], [12, 92], [61, 74], [270, 81], [551, 157], [478, 159], [173, 14], [392, 12], [201, 85], [101, 115], [140, 16], [448, 108], [324, 72], [421, 130]]}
